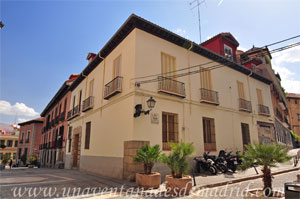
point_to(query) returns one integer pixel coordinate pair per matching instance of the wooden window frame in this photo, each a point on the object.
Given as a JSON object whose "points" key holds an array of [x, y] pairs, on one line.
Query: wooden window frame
{"points": [[260, 97], [88, 127], [205, 79], [246, 139], [241, 90], [209, 134], [167, 128]]}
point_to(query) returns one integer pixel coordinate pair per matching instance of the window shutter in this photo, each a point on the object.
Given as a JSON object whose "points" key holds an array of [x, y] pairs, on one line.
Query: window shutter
{"points": [[91, 88], [168, 64], [117, 67], [205, 78], [259, 96], [241, 91]]}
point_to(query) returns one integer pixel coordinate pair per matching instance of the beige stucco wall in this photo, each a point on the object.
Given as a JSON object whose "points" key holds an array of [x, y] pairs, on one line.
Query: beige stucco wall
{"points": [[113, 122], [190, 111]]}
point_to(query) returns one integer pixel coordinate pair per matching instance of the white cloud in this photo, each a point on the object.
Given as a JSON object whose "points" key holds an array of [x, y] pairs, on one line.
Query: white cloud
{"points": [[181, 32], [19, 108], [289, 79], [21, 120], [220, 2]]}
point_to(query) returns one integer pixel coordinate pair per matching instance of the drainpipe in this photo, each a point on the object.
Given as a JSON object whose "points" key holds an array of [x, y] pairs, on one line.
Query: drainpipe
{"points": [[190, 95], [103, 75]]}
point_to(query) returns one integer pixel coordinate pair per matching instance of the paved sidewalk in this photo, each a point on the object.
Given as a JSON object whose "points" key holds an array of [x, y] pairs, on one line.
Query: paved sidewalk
{"points": [[221, 179]]}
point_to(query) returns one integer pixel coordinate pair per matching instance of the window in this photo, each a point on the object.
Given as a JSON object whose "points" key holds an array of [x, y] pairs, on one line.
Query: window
{"points": [[168, 65], [8, 155], [241, 90], [14, 156], [209, 134], [245, 134], [2, 142], [16, 143], [1, 156], [91, 88], [205, 78], [169, 129], [298, 116], [70, 139], [28, 136], [259, 96], [20, 153], [117, 67], [79, 100], [296, 101], [9, 143], [87, 135], [65, 106], [25, 152], [74, 98], [228, 52]]}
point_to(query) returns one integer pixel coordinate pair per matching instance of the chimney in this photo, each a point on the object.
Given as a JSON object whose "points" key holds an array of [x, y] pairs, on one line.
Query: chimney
{"points": [[90, 57]]}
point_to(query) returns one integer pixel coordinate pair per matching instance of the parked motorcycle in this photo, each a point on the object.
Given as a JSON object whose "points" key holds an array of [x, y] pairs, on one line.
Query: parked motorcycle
{"points": [[206, 165], [219, 162]]}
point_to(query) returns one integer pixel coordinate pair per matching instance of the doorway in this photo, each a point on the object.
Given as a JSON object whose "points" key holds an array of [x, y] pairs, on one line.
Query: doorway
{"points": [[75, 150]]}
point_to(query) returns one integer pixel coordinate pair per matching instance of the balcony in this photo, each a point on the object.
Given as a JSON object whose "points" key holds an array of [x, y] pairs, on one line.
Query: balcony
{"points": [[56, 119], [263, 110], [27, 141], [53, 123], [245, 105], [209, 96], [113, 87], [171, 87], [74, 112], [88, 103], [69, 116]]}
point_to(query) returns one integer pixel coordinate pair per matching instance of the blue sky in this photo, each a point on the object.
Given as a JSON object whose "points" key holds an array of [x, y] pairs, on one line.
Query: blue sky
{"points": [[43, 42]]}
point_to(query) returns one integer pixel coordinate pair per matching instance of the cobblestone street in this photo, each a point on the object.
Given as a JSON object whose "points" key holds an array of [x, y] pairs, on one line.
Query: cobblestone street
{"points": [[56, 183]]}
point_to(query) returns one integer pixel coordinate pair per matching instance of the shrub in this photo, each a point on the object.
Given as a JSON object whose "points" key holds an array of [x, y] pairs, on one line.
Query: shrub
{"points": [[176, 160], [148, 155]]}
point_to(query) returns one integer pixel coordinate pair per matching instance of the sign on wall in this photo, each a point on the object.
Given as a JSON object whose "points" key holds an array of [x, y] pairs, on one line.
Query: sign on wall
{"points": [[154, 118]]}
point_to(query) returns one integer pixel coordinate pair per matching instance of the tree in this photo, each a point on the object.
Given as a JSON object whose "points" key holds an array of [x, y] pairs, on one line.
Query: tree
{"points": [[176, 160], [23, 159], [5, 159], [267, 156], [147, 155]]}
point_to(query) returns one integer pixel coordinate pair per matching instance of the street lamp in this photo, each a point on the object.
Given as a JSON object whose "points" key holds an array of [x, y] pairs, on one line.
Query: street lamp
{"points": [[139, 108]]}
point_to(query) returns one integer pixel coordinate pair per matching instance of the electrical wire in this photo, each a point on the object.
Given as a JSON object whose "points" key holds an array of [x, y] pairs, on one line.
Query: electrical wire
{"points": [[161, 75]]}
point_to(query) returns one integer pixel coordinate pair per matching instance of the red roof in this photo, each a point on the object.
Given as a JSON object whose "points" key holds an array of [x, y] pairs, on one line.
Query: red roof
{"points": [[226, 35]]}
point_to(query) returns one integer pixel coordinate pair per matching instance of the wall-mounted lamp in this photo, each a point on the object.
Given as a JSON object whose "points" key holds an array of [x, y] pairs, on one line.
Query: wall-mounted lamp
{"points": [[139, 109]]}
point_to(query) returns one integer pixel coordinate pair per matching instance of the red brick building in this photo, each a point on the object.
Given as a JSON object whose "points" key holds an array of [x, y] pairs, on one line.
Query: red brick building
{"points": [[53, 140], [30, 138], [294, 111]]}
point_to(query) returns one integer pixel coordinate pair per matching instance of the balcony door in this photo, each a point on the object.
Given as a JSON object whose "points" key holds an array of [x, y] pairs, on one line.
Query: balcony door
{"points": [[245, 134], [75, 150]]}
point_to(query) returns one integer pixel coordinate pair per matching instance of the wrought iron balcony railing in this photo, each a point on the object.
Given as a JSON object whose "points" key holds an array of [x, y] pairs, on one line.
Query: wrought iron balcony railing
{"points": [[245, 105], [76, 111], [113, 87], [88, 103], [209, 96], [170, 86], [263, 110]]}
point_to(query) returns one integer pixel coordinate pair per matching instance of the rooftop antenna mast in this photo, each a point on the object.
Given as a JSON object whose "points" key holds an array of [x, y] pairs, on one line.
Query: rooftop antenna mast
{"points": [[197, 3]]}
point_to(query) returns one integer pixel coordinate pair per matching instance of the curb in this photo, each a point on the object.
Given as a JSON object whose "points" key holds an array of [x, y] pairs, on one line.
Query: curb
{"points": [[246, 179]]}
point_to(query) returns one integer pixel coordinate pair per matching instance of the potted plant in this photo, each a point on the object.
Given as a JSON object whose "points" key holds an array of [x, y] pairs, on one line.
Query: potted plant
{"points": [[267, 156], [148, 156], [177, 183], [4, 161]]}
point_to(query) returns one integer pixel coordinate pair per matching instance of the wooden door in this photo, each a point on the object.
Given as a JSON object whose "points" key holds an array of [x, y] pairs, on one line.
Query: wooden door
{"points": [[75, 152]]}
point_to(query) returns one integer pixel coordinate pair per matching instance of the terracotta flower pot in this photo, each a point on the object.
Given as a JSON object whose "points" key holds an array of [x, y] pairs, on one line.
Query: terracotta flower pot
{"points": [[179, 186], [152, 180]]}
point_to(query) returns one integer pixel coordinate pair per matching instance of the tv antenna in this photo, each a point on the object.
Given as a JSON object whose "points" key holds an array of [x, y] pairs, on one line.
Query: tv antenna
{"points": [[197, 3]]}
